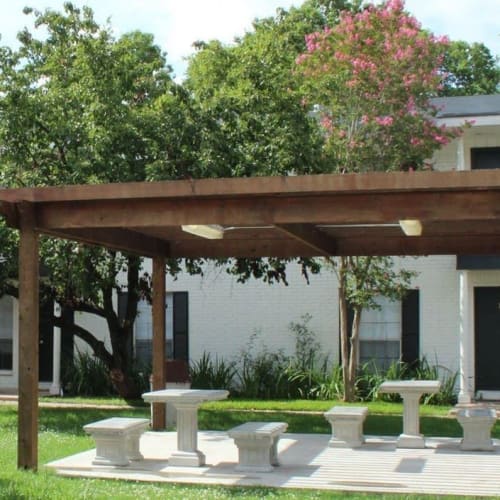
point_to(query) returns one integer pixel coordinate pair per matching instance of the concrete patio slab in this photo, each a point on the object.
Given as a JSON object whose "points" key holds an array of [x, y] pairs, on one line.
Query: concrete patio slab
{"points": [[308, 462]]}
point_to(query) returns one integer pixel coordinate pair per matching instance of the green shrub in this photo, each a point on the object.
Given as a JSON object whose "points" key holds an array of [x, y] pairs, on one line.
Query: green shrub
{"points": [[332, 384], [262, 373], [86, 375], [212, 374], [447, 393], [422, 370]]}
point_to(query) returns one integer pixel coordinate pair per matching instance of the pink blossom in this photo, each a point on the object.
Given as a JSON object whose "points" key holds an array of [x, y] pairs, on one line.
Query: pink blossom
{"points": [[384, 120], [441, 139], [326, 123]]}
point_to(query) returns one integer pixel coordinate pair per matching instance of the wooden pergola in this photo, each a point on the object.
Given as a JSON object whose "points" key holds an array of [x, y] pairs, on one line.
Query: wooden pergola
{"points": [[317, 215]]}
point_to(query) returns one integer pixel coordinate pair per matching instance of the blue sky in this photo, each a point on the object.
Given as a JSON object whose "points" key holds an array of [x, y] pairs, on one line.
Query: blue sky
{"points": [[176, 24]]}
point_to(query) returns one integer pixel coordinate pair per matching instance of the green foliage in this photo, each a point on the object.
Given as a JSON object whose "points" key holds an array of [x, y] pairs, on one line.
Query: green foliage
{"points": [[469, 69], [79, 105], [252, 118], [207, 373], [86, 376], [366, 279], [370, 378], [308, 368], [308, 375], [262, 372], [447, 393]]}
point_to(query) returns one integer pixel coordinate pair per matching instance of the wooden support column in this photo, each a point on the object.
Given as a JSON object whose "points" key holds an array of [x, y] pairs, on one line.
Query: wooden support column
{"points": [[158, 413], [27, 454]]}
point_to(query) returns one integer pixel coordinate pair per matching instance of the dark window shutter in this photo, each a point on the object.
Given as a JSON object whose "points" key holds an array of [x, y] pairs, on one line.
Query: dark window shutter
{"points": [[122, 312], [180, 326], [410, 327], [67, 337]]}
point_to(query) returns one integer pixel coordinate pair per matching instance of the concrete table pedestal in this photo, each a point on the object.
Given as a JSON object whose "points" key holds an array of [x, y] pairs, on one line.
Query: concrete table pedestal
{"points": [[186, 403], [411, 392]]}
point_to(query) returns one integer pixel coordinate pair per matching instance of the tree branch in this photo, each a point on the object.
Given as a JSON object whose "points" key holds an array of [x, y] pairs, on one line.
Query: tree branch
{"points": [[96, 345]]}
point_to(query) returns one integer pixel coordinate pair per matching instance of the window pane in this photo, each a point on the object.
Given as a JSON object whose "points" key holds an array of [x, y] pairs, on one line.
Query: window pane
{"points": [[381, 324], [381, 354], [144, 330]]}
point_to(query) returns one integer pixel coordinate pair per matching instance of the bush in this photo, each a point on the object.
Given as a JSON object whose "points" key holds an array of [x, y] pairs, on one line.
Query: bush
{"points": [[86, 376], [308, 372], [422, 370], [262, 373], [209, 374]]}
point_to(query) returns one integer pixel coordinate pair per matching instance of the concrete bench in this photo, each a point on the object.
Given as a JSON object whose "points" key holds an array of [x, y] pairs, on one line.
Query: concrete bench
{"points": [[257, 444], [347, 425], [476, 424], [117, 439]]}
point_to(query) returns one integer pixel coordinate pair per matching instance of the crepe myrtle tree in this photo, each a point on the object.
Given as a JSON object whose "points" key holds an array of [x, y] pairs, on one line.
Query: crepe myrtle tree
{"points": [[369, 80]]}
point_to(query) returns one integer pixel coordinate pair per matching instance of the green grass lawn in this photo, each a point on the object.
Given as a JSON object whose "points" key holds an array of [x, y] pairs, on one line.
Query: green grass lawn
{"points": [[61, 434]]}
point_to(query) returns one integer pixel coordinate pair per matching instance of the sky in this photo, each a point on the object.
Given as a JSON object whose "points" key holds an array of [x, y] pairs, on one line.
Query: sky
{"points": [[176, 24]]}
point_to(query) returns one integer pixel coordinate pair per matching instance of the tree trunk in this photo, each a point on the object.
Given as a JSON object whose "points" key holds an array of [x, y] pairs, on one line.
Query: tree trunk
{"points": [[353, 353], [121, 334]]}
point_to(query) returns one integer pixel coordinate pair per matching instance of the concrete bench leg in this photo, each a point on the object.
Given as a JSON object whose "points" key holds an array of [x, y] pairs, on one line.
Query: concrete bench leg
{"points": [[132, 446], [477, 424], [347, 426], [273, 452], [258, 454], [117, 439], [110, 450]]}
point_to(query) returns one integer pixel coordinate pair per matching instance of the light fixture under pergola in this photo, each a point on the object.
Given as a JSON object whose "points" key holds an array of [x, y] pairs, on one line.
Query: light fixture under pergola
{"points": [[208, 231]]}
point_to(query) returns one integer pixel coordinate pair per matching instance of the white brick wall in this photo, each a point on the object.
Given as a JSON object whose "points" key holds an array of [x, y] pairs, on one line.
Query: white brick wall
{"points": [[223, 314]]}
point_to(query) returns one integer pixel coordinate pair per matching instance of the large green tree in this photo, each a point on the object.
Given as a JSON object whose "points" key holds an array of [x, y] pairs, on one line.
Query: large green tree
{"points": [[251, 112], [469, 69], [81, 106]]}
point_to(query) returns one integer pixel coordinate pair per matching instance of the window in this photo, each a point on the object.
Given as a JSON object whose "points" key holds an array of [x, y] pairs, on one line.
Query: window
{"points": [[380, 334], [176, 328], [6, 335], [485, 158], [391, 333]]}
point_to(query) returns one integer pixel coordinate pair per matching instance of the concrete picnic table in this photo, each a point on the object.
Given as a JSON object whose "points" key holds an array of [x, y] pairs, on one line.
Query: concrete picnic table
{"points": [[186, 402], [410, 391]]}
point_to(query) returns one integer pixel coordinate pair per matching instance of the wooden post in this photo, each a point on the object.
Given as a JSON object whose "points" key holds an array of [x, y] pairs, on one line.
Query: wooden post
{"points": [[27, 455], [158, 413]]}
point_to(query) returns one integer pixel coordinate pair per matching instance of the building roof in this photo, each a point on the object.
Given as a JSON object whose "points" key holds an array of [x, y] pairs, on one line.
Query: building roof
{"points": [[464, 106]]}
